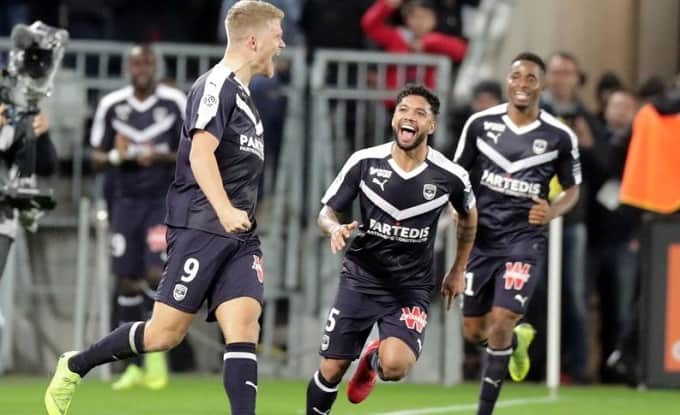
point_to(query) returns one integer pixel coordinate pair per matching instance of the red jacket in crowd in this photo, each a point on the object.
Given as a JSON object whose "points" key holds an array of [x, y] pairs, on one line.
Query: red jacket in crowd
{"points": [[395, 39]]}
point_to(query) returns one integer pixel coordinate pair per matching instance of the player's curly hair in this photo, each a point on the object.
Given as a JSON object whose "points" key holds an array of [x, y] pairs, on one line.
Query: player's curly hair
{"points": [[416, 89]]}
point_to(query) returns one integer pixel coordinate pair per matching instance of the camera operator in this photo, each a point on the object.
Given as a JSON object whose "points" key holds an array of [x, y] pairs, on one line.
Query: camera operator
{"points": [[12, 144]]}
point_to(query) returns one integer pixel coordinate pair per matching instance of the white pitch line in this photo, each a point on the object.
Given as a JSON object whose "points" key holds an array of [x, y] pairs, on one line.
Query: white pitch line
{"points": [[469, 407]]}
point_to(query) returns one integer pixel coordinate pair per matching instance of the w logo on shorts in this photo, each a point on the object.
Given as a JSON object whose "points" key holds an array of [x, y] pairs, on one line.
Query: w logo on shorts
{"points": [[259, 270], [516, 275], [414, 318]]}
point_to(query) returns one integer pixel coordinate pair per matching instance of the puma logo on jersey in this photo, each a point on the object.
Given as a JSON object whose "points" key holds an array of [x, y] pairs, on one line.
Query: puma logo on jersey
{"points": [[521, 299], [493, 136], [380, 183]]}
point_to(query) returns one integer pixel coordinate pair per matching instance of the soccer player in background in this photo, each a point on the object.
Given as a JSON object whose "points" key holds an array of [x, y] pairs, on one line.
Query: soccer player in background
{"points": [[134, 136], [213, 250], [512, 151], [387, 274]]}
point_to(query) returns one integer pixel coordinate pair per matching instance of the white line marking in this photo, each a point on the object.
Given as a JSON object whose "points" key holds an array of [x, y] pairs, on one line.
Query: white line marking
{"points": [[470, 407]]}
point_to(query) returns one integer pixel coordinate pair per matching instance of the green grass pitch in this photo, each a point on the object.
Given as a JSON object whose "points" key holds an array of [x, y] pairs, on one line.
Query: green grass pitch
{"points": [[204, 395]]}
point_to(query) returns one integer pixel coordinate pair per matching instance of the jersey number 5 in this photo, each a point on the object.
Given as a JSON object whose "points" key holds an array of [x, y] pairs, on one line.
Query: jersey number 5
{"points": [[330, 325]]}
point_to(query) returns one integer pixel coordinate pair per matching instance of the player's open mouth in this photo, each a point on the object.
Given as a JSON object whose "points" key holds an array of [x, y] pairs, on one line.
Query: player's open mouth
{"points": [[521, 96], [407, 132]]}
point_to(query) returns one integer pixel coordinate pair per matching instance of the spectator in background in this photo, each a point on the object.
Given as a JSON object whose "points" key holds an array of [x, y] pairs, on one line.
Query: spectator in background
{"points": [[417, 36], [564, 79], [608, 83], [451, 16], [485, 94], [652, 87], [135, 134], [613, 237]]}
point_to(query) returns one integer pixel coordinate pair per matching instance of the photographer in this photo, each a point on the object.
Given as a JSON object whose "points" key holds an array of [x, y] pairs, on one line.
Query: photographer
{"points": [[12, 146]]}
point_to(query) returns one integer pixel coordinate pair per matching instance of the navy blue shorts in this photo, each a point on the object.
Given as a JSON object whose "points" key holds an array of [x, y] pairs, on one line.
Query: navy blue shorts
{"points": [[501, 281], [203, 266], [353, 314], [138, 240]]}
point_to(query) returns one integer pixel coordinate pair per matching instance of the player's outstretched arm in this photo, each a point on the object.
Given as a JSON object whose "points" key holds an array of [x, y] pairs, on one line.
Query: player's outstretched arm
{"points": [[207, 174], [331, 227], [454, 282], [542, 212]]}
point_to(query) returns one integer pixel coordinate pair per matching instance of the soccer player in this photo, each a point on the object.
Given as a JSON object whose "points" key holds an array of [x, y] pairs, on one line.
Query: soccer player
{"points": [[387, 274], [134, 135], [213, 250], [512, 150]]}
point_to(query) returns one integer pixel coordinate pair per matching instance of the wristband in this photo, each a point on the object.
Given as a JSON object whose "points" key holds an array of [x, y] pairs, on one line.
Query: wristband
{"points": [[114, 157]]}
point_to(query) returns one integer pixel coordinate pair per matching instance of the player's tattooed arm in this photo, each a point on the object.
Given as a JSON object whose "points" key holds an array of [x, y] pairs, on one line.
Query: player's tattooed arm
{"points": [[454, 281], [331, 227], [542, 212]]}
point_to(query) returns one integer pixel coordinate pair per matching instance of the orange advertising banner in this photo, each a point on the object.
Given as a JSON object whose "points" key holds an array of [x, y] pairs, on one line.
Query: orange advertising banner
{"points": [[672, 353]]}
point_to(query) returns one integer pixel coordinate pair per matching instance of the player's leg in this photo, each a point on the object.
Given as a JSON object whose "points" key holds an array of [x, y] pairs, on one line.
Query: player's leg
{"points": [[478, 297], [166, 328], [402, 333], [128, 266], [513, 286], [236, 301], [322, 388], [238, 319], [502, 342], [155, 254], [180, 294], [349, 323]]}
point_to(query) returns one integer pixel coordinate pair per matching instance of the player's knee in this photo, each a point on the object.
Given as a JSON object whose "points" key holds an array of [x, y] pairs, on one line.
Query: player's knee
{"points": [[333, 370], [473, 332], [500, 332], [393, 368], [161, 339]]}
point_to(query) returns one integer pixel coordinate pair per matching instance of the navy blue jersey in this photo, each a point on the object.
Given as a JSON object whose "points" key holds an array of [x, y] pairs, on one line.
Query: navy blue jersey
{"points": [[154, 122], [399, 214], [221, 105], [509, 165]]}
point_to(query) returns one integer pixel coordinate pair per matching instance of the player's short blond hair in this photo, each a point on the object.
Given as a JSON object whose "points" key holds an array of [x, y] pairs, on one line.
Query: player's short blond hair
{"points": [[249, 14]]}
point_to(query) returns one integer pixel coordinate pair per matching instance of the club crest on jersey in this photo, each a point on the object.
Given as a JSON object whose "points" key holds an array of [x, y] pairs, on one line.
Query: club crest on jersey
{"points": [[325, 342], [516, 275], [429, 191], [180, 292], [414, 318], [122, 112], [540, 146], [159, 113]]}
